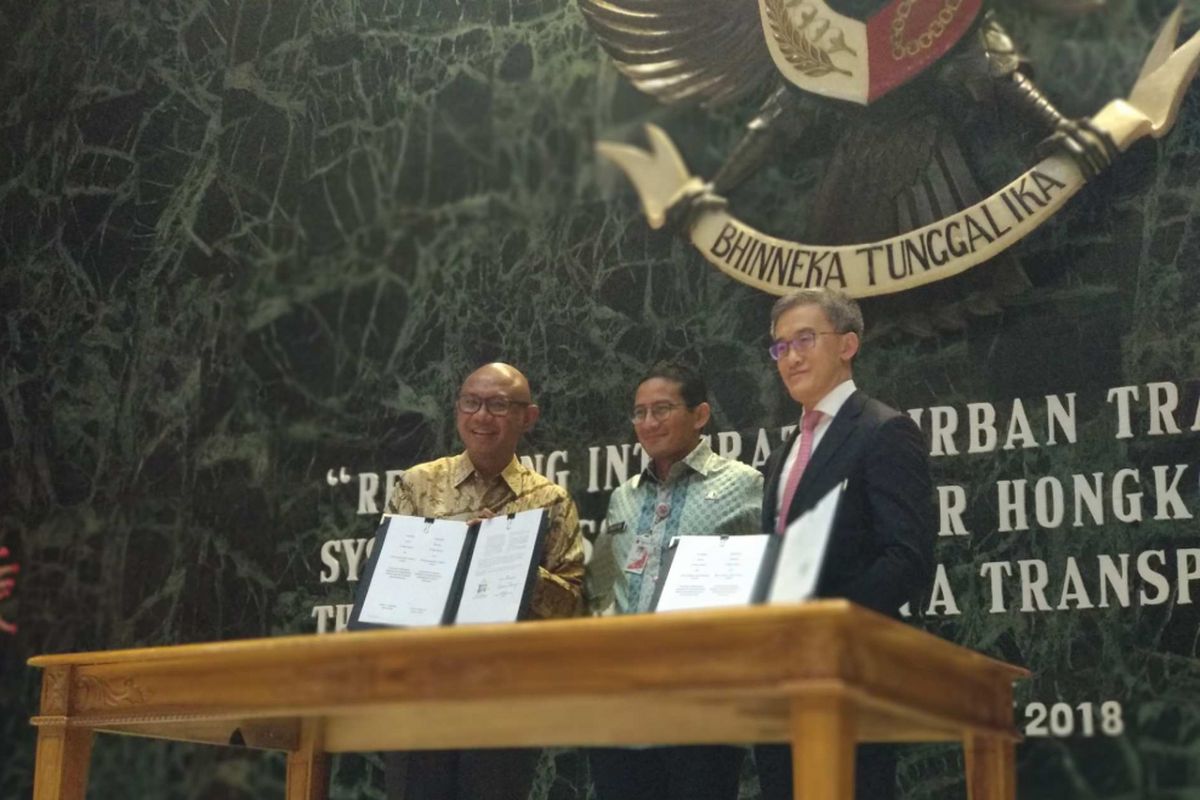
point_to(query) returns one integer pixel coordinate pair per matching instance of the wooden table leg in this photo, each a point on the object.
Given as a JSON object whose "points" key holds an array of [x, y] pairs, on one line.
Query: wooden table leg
{"points": [[308, 766], [823, 742], [991, 768], [61, 766]]}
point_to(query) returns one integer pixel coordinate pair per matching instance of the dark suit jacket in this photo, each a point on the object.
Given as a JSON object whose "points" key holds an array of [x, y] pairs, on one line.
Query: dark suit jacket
{"points": [[880, 554]]}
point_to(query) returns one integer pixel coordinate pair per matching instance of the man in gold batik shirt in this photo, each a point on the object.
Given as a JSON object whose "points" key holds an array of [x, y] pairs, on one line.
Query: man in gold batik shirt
{"points": [[493, 410]]}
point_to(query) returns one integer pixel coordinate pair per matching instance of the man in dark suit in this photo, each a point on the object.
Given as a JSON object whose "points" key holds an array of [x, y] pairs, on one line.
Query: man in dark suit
{"points": [[880, 553]]}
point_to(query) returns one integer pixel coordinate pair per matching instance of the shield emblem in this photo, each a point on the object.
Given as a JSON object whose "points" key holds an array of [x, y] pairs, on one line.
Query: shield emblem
{"points": [[844, 58]]}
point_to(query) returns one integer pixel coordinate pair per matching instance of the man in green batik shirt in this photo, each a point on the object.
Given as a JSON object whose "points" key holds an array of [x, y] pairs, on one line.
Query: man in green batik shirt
{"points": [[686, 489]]}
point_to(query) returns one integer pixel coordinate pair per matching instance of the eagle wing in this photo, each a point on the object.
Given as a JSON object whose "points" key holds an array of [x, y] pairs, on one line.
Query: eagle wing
{"points": [[710, 51]]}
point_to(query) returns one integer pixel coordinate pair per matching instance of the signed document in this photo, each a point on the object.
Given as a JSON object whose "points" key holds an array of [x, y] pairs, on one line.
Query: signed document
{"points": [[413, 578], [502, 569], [714, 572], [425, 572], [798, 567]]}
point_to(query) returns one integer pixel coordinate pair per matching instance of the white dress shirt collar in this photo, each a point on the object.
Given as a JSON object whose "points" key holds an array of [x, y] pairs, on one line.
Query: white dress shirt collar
{"points": [[832, 403]]}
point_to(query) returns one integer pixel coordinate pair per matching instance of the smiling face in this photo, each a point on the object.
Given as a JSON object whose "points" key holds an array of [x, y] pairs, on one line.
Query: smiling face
{"points": [[669, 439], [491, 440], [813, 373]]}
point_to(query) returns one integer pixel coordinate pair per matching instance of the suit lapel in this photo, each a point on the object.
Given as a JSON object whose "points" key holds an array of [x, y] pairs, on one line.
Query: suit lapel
{"points": [[825, 459]]}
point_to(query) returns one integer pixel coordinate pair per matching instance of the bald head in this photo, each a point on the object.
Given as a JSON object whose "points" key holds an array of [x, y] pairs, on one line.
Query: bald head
{"points": [[491, 434], [502, 377]]}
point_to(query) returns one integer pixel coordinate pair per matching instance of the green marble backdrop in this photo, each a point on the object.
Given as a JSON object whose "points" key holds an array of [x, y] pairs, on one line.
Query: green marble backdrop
{"points": [[245, 245]]}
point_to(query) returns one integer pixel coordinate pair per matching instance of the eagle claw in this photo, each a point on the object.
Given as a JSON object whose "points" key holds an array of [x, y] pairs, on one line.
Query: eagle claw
{"points": [[1091, 148], [691, 202]]}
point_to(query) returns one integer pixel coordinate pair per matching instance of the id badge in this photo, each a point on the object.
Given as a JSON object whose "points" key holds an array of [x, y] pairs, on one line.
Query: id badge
{"points": [[639, 556]]}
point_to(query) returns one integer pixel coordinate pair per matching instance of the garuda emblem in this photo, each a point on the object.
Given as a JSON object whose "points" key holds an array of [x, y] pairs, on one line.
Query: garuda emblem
{"points": [[898, 73]]}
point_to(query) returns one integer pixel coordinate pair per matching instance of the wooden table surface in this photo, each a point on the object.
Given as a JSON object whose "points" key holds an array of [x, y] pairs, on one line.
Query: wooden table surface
{"points": [[824, 672]]}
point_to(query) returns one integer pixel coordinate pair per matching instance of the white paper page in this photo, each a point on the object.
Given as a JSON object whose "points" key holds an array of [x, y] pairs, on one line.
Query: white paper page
{"points": [[499, 568], [712, 572], [803, 551], [415, 572]]}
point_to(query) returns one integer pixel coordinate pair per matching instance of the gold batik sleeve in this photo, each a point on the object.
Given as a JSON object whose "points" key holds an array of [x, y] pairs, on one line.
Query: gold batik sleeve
{"points": [[559, 588], [401, 501]]}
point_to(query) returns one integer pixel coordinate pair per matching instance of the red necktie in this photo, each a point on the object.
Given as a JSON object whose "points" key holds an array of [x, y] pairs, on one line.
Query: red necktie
{"points": [[808, 427]]}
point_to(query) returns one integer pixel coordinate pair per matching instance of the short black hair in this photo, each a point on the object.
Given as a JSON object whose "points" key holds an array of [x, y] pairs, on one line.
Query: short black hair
{"points": [[691, 383]]}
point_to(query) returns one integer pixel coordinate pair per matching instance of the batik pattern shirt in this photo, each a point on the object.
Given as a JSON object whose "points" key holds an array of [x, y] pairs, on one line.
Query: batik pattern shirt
{"points": [[450, 487], [704, 494]]}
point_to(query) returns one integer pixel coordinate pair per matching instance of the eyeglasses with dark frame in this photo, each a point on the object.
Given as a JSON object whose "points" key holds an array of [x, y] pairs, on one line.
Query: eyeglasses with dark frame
{"points": [[496, 406], [656, 411], [802, 342]]}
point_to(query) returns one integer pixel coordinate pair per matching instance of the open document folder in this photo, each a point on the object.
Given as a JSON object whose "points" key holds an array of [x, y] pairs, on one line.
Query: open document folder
{"points": [[722, 571], [425, 572]]}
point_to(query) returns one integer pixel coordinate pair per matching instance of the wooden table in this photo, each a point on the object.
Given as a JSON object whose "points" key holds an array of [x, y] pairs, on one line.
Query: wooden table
{"points": [[823, 676]]}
